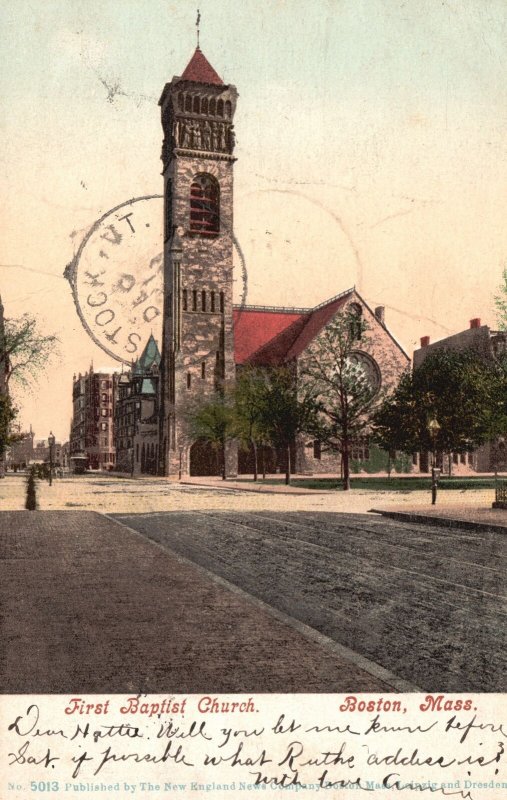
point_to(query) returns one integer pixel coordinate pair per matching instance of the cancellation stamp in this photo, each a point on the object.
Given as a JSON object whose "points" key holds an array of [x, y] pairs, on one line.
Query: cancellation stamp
{"points": [[117, 277]]}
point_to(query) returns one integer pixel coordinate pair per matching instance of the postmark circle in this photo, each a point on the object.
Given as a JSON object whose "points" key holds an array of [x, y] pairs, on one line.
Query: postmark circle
{"points": [[117, 277]]}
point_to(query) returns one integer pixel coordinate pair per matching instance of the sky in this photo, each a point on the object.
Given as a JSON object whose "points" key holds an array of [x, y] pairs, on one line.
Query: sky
{"points": [[371, 152]]}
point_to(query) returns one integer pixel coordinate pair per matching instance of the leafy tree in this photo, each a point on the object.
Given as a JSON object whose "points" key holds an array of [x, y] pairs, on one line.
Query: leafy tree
{"points": [[497, 413], [7, 414], [25, 350], [454, 388], [501, 301], [249, 409], [286, 411], [214, 421], [346, 392]]}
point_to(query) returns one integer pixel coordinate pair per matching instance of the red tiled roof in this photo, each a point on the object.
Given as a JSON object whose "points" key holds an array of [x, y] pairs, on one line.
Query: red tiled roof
{"points": [[200, 70], [271, 336], [254, 330], [317, 320]]}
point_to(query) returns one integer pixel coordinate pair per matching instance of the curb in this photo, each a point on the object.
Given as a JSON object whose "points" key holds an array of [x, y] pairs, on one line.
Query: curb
{"points": [[440, 522], [247, 488]]}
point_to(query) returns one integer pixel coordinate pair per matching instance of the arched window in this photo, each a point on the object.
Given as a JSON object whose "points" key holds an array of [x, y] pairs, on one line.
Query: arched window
{"points": [[188, 103], [228, 109], [355, 314], [205, 205], [212, 301], [220, 108], [189, 380], [185, 300], [221, 302], [181, 102], [194, 300], [197, 105], [212, 107], [204, 105], [203, 300]]}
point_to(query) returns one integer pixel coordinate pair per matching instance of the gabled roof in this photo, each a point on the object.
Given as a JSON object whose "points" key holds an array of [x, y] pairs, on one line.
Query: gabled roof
{"points": [[200, 70], [149, 357], [270, 335], [257, 329]]}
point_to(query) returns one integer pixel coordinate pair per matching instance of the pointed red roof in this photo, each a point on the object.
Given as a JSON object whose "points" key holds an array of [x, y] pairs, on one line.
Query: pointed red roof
{"points": [[200, 70]]}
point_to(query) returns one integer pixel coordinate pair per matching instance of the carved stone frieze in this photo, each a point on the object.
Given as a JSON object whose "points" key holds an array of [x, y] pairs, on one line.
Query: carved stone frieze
{"points": [[207, 135]]}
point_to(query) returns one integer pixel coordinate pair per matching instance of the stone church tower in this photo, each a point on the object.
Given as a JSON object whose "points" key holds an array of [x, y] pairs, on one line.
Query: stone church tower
{"points": [[197, 346]]}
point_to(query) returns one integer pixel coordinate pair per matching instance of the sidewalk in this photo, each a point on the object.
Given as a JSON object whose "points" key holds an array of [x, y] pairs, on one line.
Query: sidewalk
{"points": [[471, 517], [90, 605]]}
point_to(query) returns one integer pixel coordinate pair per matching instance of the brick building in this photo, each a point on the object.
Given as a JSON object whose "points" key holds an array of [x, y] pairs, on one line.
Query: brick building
{"points": [[137, 414], [21, 453], [92, 426], [204, 338], [488, 344]]}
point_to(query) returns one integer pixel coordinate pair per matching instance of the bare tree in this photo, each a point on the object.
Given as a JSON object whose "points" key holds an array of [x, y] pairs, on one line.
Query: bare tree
{"points": [[339, 377]]}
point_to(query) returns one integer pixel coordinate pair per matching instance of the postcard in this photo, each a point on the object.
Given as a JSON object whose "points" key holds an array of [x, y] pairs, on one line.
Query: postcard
{"points": [[253, 348]]}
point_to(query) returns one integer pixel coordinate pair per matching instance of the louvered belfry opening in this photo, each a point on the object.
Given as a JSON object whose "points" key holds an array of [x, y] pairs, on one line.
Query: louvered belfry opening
{"points": [[205, 206]]}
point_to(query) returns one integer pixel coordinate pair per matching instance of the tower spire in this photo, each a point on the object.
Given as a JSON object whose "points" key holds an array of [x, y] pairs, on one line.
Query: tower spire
{"points": [[197, 25]]}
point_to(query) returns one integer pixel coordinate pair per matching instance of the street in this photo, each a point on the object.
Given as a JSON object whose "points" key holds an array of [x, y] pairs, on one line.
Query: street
{"points": [[423, 602]]}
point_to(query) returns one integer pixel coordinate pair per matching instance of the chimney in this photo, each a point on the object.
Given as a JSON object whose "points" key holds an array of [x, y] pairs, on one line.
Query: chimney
{"points": [[425, 340], [475, 323], [380, 313]]}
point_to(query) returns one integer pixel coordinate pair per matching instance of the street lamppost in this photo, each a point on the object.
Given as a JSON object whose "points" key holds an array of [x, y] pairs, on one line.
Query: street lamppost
{"points": [[433, 428], [51, 442]]}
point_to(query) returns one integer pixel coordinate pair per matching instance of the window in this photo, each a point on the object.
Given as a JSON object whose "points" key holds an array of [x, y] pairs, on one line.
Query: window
{"points": [[317, 449], [185, 300], [360, 450], [228, 109], [188, 103], [104, 412], [220, 108], [181, 105], [212, 107], [203, 370], [212, 301], [203, 300], [205, 205], [355, 313], [194, 300], [103, 426], [189, 380], [221, 302], [204, 105], [197, 105]]}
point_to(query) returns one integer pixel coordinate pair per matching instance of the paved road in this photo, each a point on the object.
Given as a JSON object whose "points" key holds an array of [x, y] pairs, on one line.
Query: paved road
{"points": [[426, 603]]}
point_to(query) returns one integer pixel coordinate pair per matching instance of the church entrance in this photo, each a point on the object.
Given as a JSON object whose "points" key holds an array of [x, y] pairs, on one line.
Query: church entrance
{"points": [[204, 459]]}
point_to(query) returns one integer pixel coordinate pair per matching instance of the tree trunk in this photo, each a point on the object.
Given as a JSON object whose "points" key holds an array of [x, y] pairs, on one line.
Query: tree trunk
{"points": [[346, 469], [254, 446], [450, 465], [389, 465], [223, 462], [287, 471], [263, 452]]}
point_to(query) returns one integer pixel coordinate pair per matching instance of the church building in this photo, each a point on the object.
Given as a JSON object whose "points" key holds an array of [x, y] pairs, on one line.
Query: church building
{"points": [[205, 338]]}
